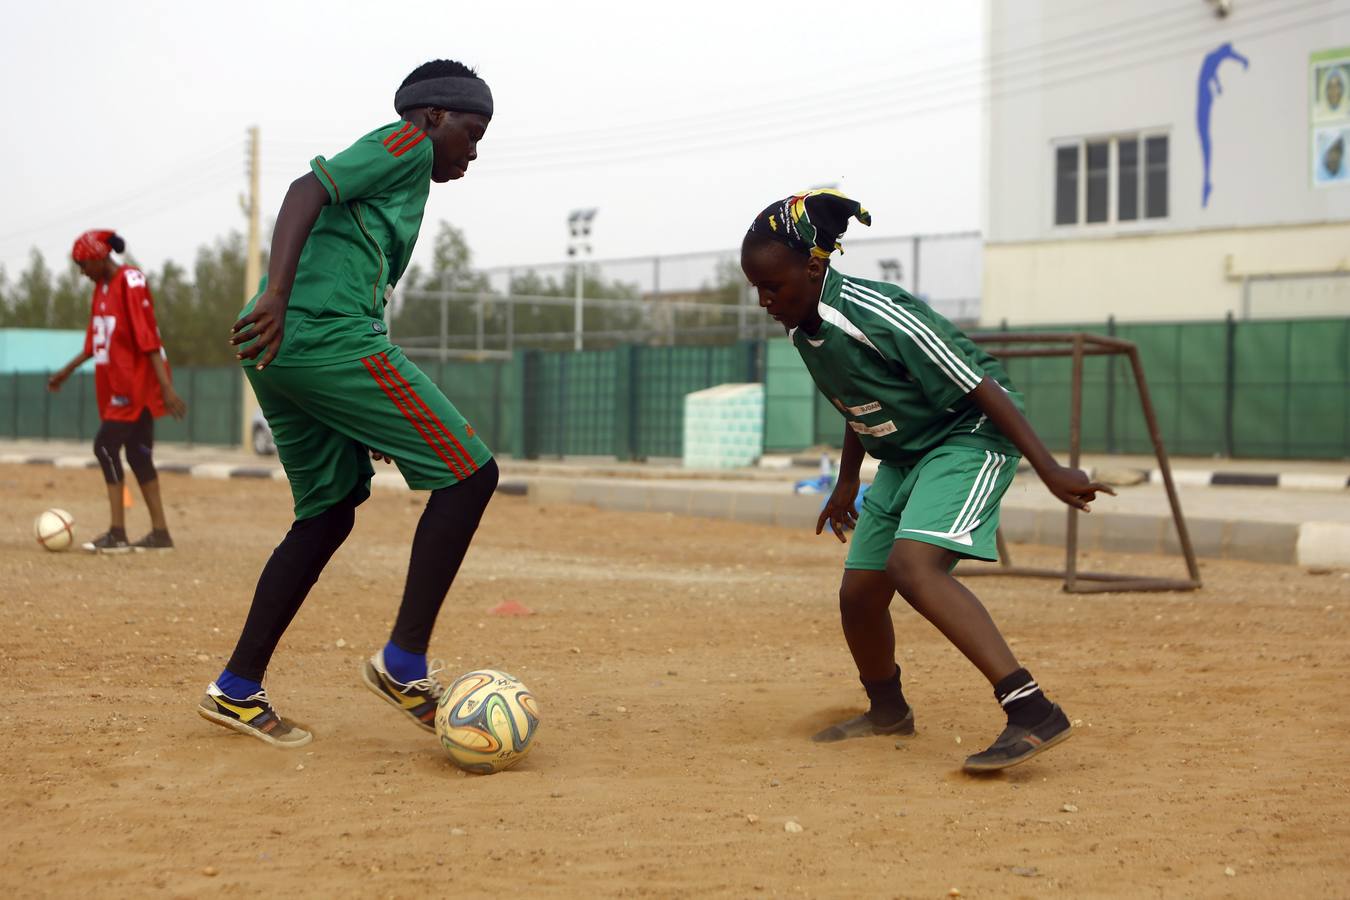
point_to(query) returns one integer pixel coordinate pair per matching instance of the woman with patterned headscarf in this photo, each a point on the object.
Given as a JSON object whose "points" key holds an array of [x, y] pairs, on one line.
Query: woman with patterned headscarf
{"points": [[131, 382], [947, 426]]}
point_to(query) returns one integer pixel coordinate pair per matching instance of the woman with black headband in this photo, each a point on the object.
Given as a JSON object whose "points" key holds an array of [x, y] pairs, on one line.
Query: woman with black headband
{"points": [[317, 353], [947, 426]]}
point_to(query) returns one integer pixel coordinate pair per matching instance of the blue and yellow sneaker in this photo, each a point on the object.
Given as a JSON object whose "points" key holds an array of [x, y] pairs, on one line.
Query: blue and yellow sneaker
{"points": [[417, 699], [252, 716]]}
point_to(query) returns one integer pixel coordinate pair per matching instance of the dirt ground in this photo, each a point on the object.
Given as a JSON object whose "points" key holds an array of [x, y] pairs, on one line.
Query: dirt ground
{"points": [[680, 665]]}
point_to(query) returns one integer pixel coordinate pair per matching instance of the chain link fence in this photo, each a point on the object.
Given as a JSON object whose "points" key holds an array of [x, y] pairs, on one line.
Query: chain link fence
{"points": [[667, 300]]}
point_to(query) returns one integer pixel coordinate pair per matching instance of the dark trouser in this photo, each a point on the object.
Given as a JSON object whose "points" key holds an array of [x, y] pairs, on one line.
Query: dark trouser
{"points": [[138, 438], [447, 526]]}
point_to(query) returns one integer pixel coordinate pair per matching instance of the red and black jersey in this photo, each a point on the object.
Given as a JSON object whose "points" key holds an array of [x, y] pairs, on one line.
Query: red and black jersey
{"points": [[122, 333]]}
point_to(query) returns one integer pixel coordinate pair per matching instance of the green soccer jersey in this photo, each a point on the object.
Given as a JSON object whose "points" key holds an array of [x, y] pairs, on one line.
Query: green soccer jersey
{"points": [[899, 372], [358, 248]]}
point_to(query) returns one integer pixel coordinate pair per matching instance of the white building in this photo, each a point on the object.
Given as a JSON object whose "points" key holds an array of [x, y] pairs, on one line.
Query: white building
{"points": [[1095, 136]]}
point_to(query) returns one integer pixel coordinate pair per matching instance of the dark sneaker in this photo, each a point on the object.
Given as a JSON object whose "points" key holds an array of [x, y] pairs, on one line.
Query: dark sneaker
{"points": [[417, 699], [1017, 745], [155, 540], [108, 542], [253, 716], [862, 726]]}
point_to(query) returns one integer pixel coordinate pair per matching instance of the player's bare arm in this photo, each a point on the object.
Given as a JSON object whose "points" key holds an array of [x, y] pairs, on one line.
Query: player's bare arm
{"points": [[840, 510], [1070, 485], [175, 404], [59, 378], [304, 199]]}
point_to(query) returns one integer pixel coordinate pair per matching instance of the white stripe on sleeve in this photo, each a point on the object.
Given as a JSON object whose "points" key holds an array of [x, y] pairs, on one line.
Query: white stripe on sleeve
{"points": [[928, 340]]}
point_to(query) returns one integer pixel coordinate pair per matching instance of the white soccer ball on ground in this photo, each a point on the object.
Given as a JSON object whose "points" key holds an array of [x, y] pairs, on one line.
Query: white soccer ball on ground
{"points": [[55, 529], [486, 721]]}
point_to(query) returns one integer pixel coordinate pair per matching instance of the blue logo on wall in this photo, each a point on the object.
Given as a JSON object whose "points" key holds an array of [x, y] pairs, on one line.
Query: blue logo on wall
{"points": [[1204, 103]]}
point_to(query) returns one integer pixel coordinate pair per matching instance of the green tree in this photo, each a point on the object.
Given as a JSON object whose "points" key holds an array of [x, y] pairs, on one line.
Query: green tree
{"points": [[33, 294], [5, 298], [606, 325], [416, 320], [70, 300]]}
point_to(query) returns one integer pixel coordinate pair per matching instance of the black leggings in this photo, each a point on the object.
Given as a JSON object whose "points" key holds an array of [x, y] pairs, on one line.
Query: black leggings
{"points": [[448, 524], [139, 439]]}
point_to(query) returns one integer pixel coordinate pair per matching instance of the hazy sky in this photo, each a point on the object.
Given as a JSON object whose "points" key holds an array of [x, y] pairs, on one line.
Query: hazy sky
{"points": [[679, 121]]}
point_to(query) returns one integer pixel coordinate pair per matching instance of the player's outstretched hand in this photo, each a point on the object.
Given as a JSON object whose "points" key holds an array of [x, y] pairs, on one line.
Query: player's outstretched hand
{"points": [[58, 378], [839, 510], [1074, 487], [267, 323], [176, 405]]}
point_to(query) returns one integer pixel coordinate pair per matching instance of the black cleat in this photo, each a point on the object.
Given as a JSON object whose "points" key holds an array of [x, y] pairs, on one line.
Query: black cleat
{"points": [[863, 726], [1017, 744], [155, 540], [108, 542]]}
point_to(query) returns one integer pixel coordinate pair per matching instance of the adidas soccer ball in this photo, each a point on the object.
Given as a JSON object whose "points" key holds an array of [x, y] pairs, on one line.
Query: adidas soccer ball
{"points": [[55, 529], [486, 721]]}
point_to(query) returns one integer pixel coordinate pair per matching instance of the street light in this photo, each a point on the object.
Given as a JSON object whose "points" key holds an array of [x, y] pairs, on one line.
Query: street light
{"points": [[579, 241]]}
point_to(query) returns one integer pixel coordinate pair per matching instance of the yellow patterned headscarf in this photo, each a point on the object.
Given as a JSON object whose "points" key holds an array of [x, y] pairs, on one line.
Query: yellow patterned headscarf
{"points": [[810, 222]]}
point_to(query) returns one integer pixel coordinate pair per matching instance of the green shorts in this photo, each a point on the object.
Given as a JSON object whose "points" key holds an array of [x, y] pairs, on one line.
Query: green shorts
{"points": [[949, 498], [326, 419]]}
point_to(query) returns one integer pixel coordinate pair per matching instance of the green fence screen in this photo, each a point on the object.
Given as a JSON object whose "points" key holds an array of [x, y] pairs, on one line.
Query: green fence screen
{"points": [[214, 396], [1275, 389], [1278, 389]]}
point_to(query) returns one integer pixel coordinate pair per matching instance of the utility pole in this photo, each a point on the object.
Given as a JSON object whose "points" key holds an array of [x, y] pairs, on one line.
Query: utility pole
{"points": [[252, 270], [253, 262]]}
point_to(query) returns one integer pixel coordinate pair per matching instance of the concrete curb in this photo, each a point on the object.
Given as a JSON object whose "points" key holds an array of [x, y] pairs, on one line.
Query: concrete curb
{"points": [[1297, 481], [1315, 544], [224, 471]]}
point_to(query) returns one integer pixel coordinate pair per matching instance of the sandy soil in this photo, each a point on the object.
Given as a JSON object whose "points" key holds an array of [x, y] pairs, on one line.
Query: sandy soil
{"points": [[680, 665]]}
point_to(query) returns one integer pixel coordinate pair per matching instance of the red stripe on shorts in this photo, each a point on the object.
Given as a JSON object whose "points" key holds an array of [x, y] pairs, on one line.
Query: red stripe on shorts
{"points": [[417, 422], [427, 413]]}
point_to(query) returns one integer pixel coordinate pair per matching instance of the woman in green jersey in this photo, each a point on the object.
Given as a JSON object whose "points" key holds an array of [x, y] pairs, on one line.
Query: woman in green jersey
{"points": [[947, 426]]}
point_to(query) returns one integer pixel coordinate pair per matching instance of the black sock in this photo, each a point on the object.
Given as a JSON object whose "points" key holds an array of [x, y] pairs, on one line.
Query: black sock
{"points": [[447, 525], [117, 533], [1022, 700], [285, 582], [888, 703]]}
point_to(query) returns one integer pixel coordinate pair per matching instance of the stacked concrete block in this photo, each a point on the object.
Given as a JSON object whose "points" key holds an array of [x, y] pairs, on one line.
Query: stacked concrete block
{"points": [[724, 426]]}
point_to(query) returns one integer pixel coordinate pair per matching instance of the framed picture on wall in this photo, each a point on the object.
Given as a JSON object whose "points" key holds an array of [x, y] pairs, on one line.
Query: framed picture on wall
{"points": [[1329, 116]]}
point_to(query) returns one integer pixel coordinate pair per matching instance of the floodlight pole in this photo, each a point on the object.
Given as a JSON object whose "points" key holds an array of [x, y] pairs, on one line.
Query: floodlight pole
{"points": [[579, 229]]}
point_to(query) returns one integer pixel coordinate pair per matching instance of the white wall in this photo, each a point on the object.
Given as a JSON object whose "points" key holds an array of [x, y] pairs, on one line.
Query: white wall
{"points": [[1148, 278], [1063, 68], [1069, 69]]}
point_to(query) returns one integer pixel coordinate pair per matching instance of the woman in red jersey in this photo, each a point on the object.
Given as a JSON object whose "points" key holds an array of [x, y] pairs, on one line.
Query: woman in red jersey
{"points": [[131, 379]]}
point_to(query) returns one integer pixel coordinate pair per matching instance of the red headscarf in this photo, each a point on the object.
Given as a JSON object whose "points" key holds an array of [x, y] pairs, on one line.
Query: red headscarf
{"points": [[92, 245]]}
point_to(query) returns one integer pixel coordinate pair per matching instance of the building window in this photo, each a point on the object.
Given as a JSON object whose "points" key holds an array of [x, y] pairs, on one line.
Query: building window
{"points": [[1103, 180], [1098, 180], [1066, 185], [1127, 180], [1155, 177]]}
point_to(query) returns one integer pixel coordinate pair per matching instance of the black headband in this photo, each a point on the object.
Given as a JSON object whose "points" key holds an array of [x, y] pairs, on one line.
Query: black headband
{"points": [[457, 93]]}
